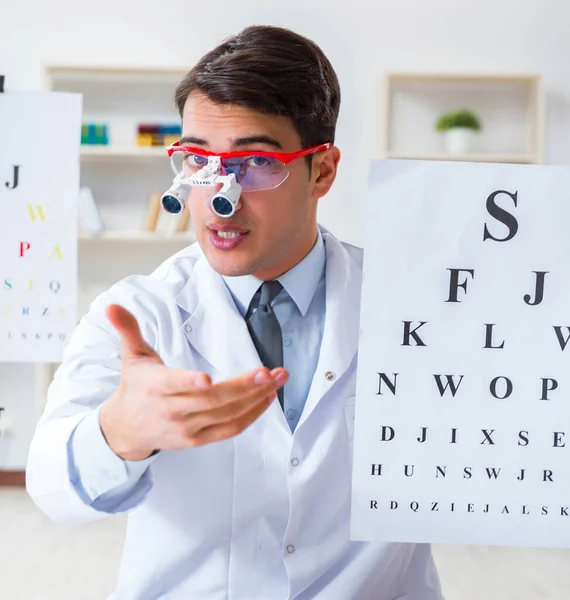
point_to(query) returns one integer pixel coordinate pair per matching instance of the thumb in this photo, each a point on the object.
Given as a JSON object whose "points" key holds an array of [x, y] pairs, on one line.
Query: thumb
{"points": [[132, 342]]}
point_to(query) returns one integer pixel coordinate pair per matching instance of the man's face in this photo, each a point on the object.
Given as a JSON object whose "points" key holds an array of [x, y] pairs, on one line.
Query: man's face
{"points": [[278, 225]]}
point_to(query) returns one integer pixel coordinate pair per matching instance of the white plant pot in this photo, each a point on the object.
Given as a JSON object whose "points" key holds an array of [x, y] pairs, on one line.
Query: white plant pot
{"points": [[458, 140]]}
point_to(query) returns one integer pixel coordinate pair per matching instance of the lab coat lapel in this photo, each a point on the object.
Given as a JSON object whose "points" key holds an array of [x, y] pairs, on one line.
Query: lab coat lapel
{"points": [[339, 345], [215, 328]]}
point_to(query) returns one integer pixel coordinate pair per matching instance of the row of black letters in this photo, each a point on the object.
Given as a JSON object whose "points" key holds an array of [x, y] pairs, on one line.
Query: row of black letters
{"points": [[491, 473], [548, 384], [490, 344], [470, 507], [488, 436]]}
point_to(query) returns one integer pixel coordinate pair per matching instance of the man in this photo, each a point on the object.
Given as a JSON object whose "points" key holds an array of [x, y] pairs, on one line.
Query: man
{"points": [[236, 473]]}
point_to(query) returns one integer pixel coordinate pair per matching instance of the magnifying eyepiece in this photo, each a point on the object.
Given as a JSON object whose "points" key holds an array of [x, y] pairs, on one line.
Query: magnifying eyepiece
{"points": [[172, 204], [222, 206], [223, 203], [174, 200]]}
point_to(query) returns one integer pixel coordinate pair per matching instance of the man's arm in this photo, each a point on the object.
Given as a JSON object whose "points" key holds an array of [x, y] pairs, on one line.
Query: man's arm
{"points": [[102, 479], [72, 474], [113, 402]]}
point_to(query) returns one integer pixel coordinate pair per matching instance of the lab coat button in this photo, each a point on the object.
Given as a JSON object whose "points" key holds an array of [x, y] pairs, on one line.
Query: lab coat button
{"points": [[188, 328], [290, 549], [294, 461], [330, 376]]}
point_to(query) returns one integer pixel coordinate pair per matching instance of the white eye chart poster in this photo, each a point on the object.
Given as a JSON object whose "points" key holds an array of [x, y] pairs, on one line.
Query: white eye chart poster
{"points": [[462, 428], [40, 135]]}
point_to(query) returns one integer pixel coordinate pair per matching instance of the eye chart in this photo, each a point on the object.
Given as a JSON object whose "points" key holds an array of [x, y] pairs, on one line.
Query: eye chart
{"points": [[40, 135], [462, 429]]}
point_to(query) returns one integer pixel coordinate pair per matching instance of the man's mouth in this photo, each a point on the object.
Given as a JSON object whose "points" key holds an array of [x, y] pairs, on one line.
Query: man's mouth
{"points": [[227, 230], [227, 237]]}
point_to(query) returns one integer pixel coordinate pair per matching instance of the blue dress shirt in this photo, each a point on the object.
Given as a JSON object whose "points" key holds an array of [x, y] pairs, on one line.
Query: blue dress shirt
{"points": [[300, 310]]}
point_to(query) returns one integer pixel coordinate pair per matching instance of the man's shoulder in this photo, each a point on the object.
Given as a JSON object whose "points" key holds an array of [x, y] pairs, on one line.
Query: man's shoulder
{"points": [[162, 284], [355, 252], [177, 269]]}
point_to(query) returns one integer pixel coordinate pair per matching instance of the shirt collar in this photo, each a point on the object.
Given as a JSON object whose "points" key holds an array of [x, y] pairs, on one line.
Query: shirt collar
{"points": [[300, 282]]}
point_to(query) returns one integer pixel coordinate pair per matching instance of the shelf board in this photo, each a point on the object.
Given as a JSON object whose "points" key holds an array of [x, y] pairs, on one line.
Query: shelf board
{"points": [[71, 69], [491, 158], [138, 237], [124, 75], [508, 78], [102, 151]]}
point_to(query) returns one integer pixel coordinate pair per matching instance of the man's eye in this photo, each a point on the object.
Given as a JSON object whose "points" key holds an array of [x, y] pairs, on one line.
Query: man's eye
{"points": [[259, 161], [195, 160]]}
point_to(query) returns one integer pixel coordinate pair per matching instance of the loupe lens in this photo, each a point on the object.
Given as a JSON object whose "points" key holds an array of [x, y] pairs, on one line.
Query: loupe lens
{"points": [[222, 206], [256, 173], [177, 161], [188, 163], [171, 204]]}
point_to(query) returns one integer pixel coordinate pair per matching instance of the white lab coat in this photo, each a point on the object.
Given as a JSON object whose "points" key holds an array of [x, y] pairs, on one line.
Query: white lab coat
{"points": [[264, 515]]}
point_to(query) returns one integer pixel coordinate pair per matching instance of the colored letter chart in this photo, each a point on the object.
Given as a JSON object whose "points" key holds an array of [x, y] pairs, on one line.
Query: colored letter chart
{"points": [[462, 421], [39, 187]]}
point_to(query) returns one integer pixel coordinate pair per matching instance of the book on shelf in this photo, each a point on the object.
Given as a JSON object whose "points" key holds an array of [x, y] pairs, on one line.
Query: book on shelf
{"points": [[158, 220], [174, 224], [184, 220], [152, 213], [89, 218]]}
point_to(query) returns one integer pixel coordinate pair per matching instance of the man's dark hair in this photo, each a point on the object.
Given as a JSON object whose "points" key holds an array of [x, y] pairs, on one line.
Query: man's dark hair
{"points": [[274, 71]]}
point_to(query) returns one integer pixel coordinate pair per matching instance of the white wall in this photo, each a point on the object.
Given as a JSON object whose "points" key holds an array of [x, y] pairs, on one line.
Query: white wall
{"points": [[364, 40]]}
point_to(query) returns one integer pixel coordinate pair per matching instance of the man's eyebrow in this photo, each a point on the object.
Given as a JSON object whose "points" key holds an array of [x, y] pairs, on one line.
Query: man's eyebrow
{"points": [[192, 140], [256, 139]]}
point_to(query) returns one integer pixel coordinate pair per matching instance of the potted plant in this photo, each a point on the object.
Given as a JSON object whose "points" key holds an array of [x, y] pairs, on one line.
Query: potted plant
{"points": [[458, 128]]}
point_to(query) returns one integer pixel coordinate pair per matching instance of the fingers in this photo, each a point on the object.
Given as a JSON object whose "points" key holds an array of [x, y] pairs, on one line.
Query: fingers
{"points": [[249, 388], [231, 411], [180, 382], [132, 342], [231, 428], [234, 389], [280, 376]]}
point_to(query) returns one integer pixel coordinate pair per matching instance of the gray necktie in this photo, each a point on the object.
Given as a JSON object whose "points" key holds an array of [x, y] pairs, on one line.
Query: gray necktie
{"points": [[265, 330]]}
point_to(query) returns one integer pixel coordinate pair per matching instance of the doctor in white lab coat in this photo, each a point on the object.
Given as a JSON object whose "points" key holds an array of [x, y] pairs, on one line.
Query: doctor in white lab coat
{"points": [[235, 472]]}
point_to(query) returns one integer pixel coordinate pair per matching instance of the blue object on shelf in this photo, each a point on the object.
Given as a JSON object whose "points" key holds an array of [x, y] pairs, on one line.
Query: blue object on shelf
{"points": [[170, 129], [94, 134]]}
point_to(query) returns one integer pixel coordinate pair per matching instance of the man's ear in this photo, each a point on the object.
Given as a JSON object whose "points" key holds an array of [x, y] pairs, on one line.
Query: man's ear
{"points": [[324, 171]]}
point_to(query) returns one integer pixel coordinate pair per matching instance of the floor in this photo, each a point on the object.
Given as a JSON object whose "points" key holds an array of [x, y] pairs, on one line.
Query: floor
{"points": [[40, 560]]}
